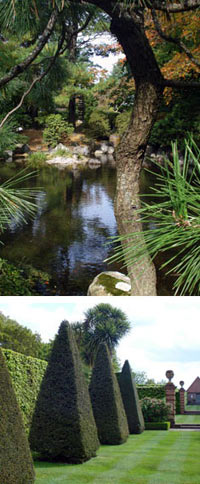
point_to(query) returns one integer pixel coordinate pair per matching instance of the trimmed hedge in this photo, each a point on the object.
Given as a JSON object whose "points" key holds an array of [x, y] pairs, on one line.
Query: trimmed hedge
{"points": [[152, 391], [157, 425], [26, 373], [15, 458], [130, 400], [106, 400], [178, 403], [63, 426]]}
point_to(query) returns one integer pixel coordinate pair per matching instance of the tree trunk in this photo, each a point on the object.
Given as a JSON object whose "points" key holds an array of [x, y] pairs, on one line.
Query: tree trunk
{"points": [[130, 153]]}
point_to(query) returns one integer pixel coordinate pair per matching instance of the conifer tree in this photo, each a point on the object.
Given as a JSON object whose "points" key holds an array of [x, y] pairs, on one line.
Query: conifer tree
{"points": [[106, 400], [16, 465], [63, 426], [131, 400]]}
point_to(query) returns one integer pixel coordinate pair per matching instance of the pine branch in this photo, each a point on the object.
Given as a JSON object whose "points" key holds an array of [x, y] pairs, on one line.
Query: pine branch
{"points": [[181, 84], [174, 40], [174, 7], [19, 68]]}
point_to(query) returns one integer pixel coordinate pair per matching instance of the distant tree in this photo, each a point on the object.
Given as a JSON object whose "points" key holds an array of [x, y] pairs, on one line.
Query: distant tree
{"points": [[106, 400], [15, 458], [18, 338], [102, 324], [63, 426]]}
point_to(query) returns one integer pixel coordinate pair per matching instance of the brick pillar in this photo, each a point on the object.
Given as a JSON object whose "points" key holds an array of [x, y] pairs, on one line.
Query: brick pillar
{"points": [[182, 398], [170, 396]]}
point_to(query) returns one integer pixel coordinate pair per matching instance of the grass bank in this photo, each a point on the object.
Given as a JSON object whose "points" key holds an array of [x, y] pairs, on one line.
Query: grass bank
{"points": [[154, 457]]}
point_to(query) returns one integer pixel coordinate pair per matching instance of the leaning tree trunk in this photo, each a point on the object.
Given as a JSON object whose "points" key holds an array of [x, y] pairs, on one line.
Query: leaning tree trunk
{"points": [[130, 154]]}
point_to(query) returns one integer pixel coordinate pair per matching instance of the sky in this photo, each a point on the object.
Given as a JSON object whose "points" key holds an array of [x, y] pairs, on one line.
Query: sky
{"points": [[164, 335]]}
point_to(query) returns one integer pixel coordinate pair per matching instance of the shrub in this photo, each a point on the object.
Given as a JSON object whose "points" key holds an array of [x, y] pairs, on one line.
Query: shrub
{"points": [[155, 410], [130, 400], [20, 280], [152, 391], [157, 425], [63, 426], [122, 122], [98, 125], [26, 373], [36, 160], [56, 128], [106, 400], [178, 403], [15, 459]]}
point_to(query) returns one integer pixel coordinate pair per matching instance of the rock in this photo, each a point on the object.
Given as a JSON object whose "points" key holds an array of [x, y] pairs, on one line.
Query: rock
{"points": [[9, 155], [111, 150], [104, 159], [81, 150], [110, 284], [60, 146], [104, 147], [21, 148], [98, 153]]}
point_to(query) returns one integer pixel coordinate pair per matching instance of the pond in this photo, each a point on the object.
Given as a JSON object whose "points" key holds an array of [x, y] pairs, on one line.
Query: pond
{"points": [[68, 236]]}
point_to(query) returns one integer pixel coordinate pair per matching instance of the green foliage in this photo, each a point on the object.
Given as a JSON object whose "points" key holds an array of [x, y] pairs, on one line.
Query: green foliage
{"points": [[106, 400], [173, 208], [157, 425], [26, 374], [155, 410], [130, 400], [178, 403], [152, 391], [21, 280], [56, 129], [102, 323], [63, 426], [15, 458], [98, 124], [37, 160], [9, 137], [122, 122]]}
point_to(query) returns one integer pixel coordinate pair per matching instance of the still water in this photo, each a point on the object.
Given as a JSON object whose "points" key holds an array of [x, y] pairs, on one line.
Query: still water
{"points": [[68, 236]]}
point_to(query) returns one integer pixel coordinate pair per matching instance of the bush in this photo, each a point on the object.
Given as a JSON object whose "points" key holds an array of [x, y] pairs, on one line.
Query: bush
{"points": [[36, 160], [9, 137], [130, 400], [56, 129], [122, 122], [155, 410], [63, 426], [98, 125], [20, 280], [106, 400], [26, 374], [157, 425], [15, 458]]}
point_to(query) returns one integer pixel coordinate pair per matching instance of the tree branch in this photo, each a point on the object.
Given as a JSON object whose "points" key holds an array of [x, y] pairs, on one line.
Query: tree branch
{"points": [[19, 68], [181, 84], [174, 40], [174, 7]]}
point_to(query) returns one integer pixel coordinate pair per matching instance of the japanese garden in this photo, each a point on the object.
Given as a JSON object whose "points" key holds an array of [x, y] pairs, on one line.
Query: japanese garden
{"points": [[99, 168]]}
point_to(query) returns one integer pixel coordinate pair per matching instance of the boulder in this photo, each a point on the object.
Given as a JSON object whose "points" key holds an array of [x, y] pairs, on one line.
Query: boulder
{"points": [[21, 148], [110, 283]]}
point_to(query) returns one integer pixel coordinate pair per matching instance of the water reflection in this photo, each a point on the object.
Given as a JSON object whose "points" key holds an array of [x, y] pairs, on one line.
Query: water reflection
{"points": [[68, 235]]}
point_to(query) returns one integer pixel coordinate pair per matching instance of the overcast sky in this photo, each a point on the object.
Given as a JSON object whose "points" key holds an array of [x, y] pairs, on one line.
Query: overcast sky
{"points": [[165, 331]]}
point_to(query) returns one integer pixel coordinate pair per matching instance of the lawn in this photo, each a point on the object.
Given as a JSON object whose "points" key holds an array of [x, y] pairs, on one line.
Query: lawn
{"points": [[188, 419], [154, 457]]}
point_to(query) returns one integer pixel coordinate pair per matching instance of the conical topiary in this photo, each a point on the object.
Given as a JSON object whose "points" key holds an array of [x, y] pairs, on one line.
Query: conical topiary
{"points": [[106, 400], [63, 426], [16, 465], [131, 400]]}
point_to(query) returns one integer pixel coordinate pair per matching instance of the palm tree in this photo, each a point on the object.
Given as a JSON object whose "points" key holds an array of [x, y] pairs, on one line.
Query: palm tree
{"points": [[102, 324]]}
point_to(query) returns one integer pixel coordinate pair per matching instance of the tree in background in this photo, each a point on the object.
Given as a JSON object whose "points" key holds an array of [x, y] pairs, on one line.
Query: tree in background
{"points": [[102, 324], [63, 426], [15, 458]]}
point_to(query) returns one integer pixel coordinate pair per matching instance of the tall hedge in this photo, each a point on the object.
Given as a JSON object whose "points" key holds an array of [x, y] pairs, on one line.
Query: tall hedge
{"points": [[16, 466], [130, 400], [106, 400], [26, 373], [63, 426], [151, 391]]}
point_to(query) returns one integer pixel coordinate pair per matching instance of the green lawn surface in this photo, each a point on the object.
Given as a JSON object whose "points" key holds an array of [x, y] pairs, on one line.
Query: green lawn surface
{"points": [[188, 419], [190, 408], [154, 457]]}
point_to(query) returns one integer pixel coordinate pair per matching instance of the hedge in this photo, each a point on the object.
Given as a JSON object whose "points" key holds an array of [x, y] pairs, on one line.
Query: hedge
{"points": [[15, 458], [106, 400], [63, 426], [130, 400], [157, 425], [178, 403], [152, 391], [26, 373]]}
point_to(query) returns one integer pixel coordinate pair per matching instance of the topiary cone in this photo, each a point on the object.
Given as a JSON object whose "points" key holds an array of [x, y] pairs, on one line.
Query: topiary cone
{"points": [[106, 400], [16, 465], [63, 426], [131, 400]]}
